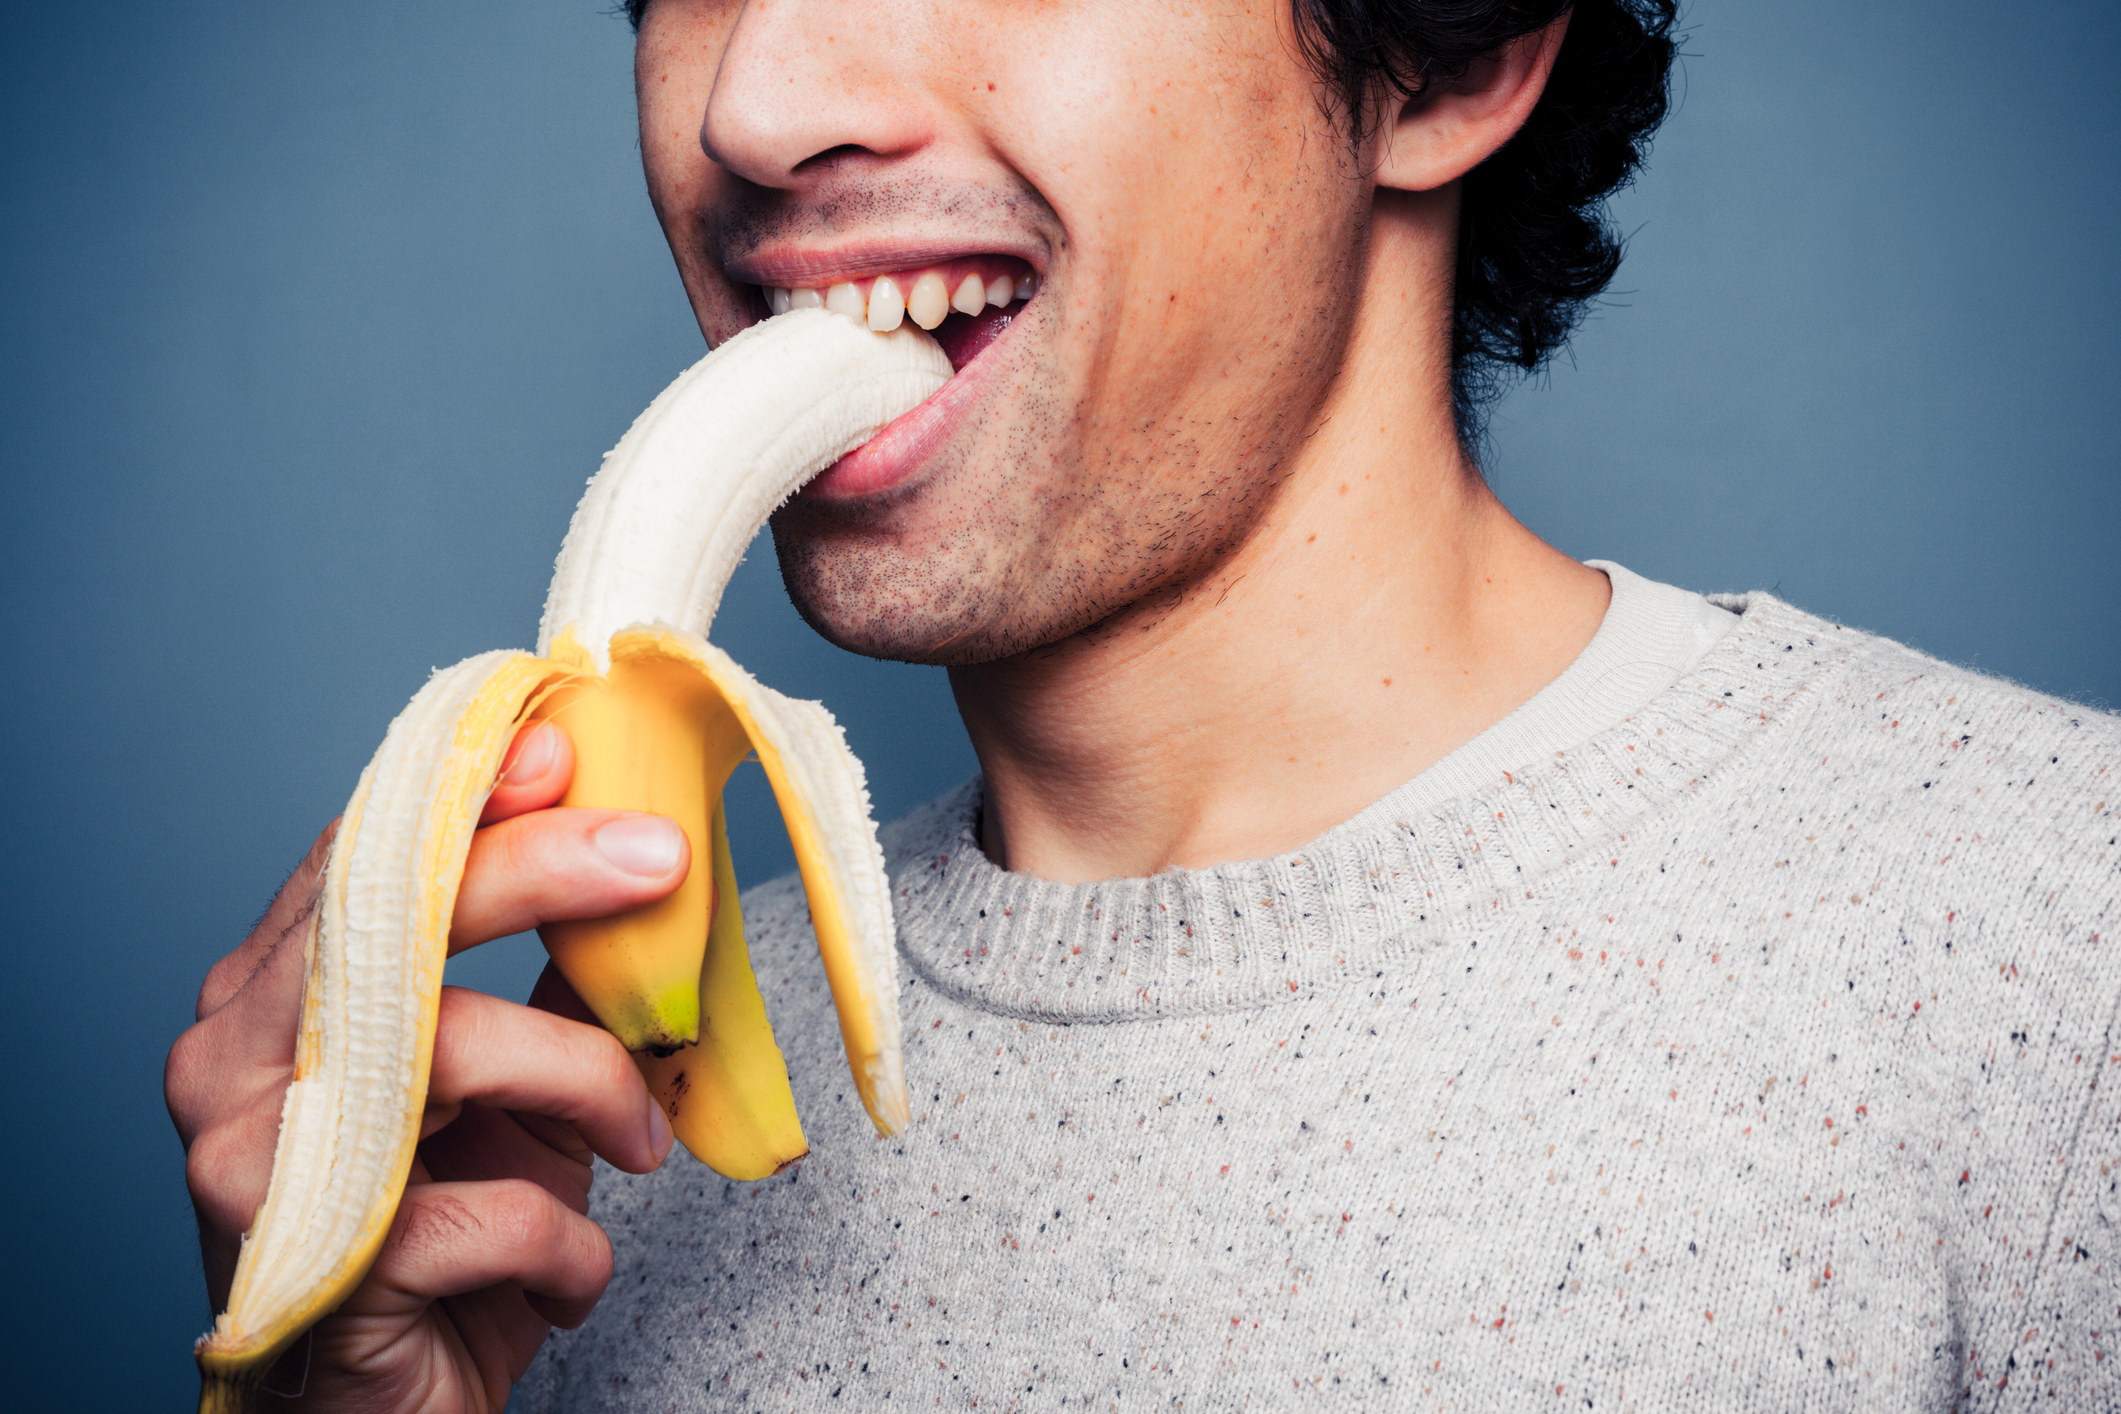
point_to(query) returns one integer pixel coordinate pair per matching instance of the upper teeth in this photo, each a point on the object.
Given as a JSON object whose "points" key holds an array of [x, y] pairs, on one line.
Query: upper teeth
{"points": [[926, 296]]}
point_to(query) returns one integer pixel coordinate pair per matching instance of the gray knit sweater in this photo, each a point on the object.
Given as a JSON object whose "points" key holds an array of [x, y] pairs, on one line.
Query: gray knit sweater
{"points": [[1753, 1056]]}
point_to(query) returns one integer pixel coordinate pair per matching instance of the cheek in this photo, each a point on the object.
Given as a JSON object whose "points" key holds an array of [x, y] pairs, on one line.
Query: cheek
{"points": [[1139, 120], [1203, 191], [674, 63], [1207, 328]]}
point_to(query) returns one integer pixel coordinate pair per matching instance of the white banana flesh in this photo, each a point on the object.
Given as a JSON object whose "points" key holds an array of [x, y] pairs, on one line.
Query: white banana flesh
{"points": [[655, 539]]}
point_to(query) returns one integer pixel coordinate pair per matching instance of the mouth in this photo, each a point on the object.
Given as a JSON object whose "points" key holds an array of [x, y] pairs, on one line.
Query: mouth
{"points": [[965, 305]]}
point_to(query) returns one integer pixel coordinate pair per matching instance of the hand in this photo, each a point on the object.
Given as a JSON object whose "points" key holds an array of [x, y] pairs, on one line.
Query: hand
{"points": [[490, 1247]]}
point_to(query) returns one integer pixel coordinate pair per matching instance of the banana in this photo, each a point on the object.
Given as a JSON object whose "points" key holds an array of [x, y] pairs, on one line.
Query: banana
{"points": [[659, 719]]}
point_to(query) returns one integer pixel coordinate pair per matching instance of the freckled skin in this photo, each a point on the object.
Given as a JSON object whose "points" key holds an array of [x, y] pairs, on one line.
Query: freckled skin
{"points": [[1194, 215], [1205, 493]]}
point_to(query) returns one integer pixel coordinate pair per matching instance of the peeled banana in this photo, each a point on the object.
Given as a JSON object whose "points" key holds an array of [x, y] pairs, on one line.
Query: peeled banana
{"points": [[659, 719]]}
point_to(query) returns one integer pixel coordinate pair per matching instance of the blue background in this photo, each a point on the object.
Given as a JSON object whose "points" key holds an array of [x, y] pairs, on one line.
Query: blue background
{"points": [[316, 317]]}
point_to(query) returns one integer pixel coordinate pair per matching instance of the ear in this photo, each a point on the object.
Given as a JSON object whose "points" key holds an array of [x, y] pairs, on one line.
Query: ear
{"points": [[1438, 135]]}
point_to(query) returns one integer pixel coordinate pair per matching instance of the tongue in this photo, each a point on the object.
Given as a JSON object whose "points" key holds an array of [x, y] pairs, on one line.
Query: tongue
{"points": [[963, 337]]}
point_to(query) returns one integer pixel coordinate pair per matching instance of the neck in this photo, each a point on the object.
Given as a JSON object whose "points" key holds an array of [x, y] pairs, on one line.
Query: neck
{"points": [[1384, 610]]}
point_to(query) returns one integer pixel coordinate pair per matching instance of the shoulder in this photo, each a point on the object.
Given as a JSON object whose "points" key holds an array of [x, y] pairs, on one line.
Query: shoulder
{"points": [[1890, 723], [1974, 813]]}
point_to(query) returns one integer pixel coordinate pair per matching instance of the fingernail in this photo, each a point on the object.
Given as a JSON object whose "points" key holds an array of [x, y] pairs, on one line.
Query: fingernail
{"points": [[533, 754], [641, 844], [658, 1130]]}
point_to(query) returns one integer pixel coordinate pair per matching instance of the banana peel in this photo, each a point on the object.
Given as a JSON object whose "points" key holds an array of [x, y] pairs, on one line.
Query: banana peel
{"points": [[659, 719]]}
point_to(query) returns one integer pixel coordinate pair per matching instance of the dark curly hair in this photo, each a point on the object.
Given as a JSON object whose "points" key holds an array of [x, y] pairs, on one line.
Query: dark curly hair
{"points": [[1534, 241]]}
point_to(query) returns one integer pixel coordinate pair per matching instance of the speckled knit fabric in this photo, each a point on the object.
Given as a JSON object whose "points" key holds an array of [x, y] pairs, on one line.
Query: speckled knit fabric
{"points": [[1757, 1055]]}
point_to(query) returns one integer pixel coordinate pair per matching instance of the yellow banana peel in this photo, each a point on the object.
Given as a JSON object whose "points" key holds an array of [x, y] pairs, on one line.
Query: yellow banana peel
{"points": [[659, 718]]}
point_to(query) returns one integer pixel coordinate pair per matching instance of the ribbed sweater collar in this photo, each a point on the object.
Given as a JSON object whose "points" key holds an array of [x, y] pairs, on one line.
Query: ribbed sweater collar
{"points": [[1364, 896]]}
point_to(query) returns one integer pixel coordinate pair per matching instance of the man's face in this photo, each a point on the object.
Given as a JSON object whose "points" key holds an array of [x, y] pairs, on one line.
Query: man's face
{"points": [[1191, 222]]}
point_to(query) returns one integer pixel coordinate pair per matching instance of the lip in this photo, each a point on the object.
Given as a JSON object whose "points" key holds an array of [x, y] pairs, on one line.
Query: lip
{"points": [[896, 454], [813, 267]]}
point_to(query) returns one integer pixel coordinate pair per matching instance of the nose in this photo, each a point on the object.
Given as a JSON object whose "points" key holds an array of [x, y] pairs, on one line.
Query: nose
{"points": [[801, 80]]}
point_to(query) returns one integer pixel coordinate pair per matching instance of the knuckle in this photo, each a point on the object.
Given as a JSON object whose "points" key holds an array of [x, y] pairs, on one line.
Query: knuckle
{"points": [[205, 1167], [196, 1082], [523, 1215], [181, 1073], [429, 1224], [220, 1173]]}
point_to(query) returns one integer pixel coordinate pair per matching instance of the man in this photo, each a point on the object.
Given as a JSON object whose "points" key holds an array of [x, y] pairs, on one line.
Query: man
{"points": [[1381, 960]]}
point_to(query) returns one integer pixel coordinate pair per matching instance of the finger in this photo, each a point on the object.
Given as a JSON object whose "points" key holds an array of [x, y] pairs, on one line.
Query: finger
{"points": [[451, 1238], [227, 1168], [503, 1332], [509, 1057], [482, 1143], [288, 912], [553, 865], [534, 773], [554, 993], [246, 1047]]}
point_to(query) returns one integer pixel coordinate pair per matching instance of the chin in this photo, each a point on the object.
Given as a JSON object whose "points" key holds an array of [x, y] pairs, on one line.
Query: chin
{"points": [[867, 604], [867, 608]]}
